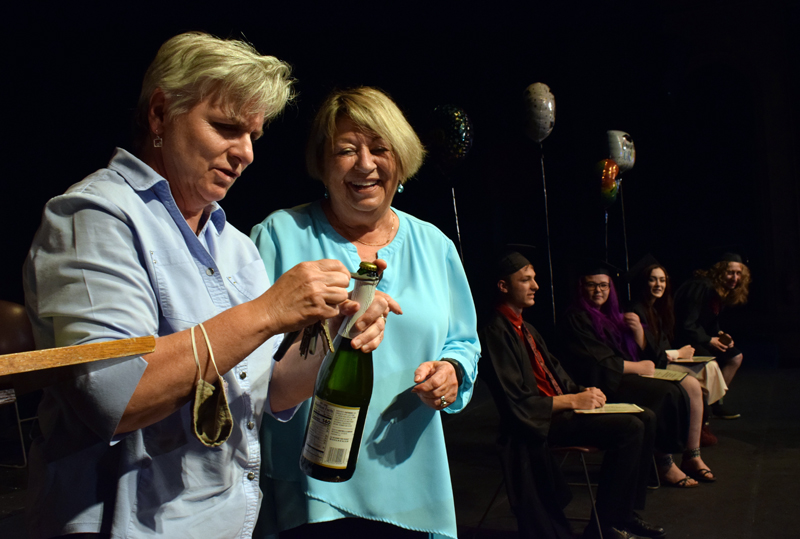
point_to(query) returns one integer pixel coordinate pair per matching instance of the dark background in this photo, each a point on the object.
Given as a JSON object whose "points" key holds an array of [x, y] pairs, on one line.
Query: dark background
{"points": [[707, 90]]}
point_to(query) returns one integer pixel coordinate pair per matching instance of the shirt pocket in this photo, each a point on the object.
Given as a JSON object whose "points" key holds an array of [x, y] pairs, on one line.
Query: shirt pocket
{"points": [[178, 285], [248, 283]]}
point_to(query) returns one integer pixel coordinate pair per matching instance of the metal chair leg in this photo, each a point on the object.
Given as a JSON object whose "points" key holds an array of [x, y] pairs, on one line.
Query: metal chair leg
{"points": [[591, 497], [489, 508], [658, 478], [21, 442]]}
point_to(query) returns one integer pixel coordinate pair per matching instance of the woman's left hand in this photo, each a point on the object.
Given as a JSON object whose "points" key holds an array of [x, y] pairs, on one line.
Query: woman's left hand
{"points": [[635, 325], [437, 384]]}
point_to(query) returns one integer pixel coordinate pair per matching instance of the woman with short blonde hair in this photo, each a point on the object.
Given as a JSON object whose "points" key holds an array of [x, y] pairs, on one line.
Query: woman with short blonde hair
{"points": [[371, 110], [166, 443], [195, 66], [362, 149]]}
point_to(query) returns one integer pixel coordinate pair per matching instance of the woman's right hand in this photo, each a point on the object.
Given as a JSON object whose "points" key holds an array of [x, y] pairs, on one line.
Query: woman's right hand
{"points": [[308, 292], [686, 352], [646, 368], [715, 342]]}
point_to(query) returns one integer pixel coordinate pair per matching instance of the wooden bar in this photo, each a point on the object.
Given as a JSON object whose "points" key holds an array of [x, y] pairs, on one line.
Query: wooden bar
{"points": [[50, 358]]}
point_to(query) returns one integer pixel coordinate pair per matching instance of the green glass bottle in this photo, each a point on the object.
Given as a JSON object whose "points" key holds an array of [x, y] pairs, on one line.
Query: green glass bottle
{"points": [[341, 397]]}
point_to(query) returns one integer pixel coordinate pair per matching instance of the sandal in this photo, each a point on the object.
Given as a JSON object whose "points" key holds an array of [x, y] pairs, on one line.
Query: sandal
{"points": [[664, 463], [703, 475], [683, 483]]}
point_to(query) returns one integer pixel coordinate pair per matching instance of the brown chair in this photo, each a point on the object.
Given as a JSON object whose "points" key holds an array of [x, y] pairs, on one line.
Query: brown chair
{"points": [[16, 335]]}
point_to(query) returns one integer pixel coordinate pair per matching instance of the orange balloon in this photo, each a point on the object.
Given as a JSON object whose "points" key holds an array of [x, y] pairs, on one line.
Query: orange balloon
{"points": [[608, 169]]}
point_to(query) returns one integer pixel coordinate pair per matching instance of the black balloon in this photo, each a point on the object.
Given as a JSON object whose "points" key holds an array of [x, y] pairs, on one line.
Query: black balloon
{"points": [[450, 137]]}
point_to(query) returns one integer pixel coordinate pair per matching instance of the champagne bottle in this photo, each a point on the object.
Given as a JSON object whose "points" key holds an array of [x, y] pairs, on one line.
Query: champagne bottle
{"points": [[341, 397]]}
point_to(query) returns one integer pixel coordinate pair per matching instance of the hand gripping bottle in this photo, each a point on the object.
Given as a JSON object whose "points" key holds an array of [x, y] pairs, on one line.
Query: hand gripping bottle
{"points": [[341, 396]]}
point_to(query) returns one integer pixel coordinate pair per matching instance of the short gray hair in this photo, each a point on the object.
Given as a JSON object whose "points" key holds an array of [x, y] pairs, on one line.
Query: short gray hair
{"points": [[193, 66], [372, 110]]}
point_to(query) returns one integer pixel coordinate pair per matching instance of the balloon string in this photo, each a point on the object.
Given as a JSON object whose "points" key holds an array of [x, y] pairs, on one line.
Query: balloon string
{"points": [[458, 229], [547, 224], [624, 234], [606, 235]]}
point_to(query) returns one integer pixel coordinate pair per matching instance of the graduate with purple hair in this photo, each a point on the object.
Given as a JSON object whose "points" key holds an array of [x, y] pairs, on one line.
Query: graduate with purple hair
{"points": [[606, 348]]}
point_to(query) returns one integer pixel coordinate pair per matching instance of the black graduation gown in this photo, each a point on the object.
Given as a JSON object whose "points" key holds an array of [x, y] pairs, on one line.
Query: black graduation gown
{"points": [[697, 308], [536, 489], [593, 362], [658, 346]]}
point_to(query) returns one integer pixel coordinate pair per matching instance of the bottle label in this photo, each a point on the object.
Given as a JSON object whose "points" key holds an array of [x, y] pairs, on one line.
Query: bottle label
{"points": [[363, 293], [331, 429]]}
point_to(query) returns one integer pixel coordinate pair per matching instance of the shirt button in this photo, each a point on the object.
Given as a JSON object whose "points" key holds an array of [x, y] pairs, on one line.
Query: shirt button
{"points": [[210, 271], [242, 375], [251, 476], [250, 425]]}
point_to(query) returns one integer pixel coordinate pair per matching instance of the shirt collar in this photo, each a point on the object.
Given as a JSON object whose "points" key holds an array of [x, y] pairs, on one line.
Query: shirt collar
{"points": [[510, 314], [141, 177]]}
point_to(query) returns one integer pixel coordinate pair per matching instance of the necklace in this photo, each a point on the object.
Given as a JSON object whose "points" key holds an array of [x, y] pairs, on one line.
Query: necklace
{"points": [[388, 236]]}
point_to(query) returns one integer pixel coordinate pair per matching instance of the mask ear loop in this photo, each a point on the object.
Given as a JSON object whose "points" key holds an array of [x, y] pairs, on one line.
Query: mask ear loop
{"points": [[194, 351], [210, 355], [212, 426]]}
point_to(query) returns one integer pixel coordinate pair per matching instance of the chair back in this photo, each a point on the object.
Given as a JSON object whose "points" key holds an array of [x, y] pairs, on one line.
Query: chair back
{"points": [[16, 333]]}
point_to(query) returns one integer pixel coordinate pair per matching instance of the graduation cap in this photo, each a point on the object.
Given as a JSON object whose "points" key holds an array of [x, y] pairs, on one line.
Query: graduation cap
{"points": [[729, 253], [511, 260], [643, 263], [594, 266], [731, 257]]}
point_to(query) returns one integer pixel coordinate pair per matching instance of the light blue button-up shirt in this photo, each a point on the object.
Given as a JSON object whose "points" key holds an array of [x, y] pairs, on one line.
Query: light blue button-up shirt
{"points": [[114, 258]]}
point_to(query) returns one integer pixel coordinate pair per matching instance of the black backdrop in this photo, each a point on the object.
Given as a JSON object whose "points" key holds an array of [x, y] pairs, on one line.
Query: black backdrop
{"points": [[707, 90]]}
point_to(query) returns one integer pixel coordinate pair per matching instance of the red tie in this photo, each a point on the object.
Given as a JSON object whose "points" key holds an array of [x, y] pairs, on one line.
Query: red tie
{"points": [[540, 360]]}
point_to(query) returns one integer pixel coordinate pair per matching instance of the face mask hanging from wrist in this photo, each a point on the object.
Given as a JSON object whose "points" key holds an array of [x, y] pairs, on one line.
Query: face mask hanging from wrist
{"points": [[212, 422]]}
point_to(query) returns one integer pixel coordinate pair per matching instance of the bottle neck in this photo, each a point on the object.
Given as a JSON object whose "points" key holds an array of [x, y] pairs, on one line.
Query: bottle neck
{"points": [[363, 293]]}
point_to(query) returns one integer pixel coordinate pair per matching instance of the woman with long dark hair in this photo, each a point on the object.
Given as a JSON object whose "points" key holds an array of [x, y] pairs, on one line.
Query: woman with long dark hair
{"points": [[607, 349], [652, 303]]}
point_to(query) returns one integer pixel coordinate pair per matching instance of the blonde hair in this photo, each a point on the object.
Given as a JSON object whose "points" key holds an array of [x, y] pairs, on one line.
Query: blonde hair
{"points": [[194, 66], [737, 296], [374, 111]]}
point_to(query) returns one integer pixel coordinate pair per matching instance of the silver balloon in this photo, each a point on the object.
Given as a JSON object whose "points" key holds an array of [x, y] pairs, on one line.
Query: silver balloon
{"points": [[540, 107], [621, 150]]}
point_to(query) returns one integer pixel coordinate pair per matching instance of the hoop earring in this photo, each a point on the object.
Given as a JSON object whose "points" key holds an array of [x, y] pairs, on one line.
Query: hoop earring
{"points": [[158, 141], [401, 188]]}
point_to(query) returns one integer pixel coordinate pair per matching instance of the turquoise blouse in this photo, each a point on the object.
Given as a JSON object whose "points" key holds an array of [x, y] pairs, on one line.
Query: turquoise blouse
{"points": [[402, 475]]}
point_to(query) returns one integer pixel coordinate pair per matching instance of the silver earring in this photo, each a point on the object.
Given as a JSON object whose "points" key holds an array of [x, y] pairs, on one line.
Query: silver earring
{"points": [[401, 188], [158, 141], [326, 193]]}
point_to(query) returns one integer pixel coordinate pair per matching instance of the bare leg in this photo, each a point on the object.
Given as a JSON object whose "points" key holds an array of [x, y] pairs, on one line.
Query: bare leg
{"points": [[730, 368], [692, 387], [670, 473]]}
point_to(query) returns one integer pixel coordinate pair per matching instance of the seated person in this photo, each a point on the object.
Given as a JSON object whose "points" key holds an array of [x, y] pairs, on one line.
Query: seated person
{"points": [[698, 303], [608, 349], [652, 303], [536, 399]]}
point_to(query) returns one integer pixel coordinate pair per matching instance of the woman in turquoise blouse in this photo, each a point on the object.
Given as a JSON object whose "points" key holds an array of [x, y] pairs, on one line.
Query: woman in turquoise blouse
{"points": [[362, 148]]}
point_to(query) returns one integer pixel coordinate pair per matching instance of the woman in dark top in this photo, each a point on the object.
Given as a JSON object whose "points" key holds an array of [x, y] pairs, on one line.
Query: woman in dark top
{"points": [[698, 304], [606, 349], [653, 305]]}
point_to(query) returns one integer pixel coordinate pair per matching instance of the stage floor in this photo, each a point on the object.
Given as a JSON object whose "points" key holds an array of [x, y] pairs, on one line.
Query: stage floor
{"points": [[757, 462]]}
